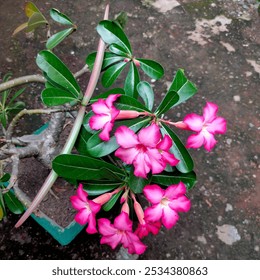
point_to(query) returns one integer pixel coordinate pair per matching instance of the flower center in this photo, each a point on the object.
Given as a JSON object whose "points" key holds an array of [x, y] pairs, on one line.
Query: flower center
{"points": [[165, 201], [141, 148]]}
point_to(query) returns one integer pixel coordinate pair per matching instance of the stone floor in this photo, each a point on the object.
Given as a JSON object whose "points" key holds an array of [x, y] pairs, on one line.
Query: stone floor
{"points": [[218, 45]]}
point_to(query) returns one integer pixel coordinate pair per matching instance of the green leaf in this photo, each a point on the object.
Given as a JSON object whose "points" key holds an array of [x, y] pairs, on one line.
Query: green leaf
{"points": [[2, 212], [170, 99], [57, 71], [182, 86], [121, 19], [131, 81], [36, 20], [167, 179], [3, 119], [83, 167], [55, 97], [178, 149], [100, 187], [81, 142], [16, 108], [30, 9], [111, 74], [137, 184], [99, 148], [128, 103], [14, 205], [5, 178], [152, 68], [109, 59], [111, 33], [110, 204], [106, 94], [146, 92], [57, 38], [20, 28], [16, 95], [118, 50], [60, 17]]}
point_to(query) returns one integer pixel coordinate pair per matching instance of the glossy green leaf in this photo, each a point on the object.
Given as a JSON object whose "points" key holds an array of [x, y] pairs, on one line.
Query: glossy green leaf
{"points": [[128, 103], [55, 97], [110, 204], [30, 9], [118, 50], [180, 152], [172, 178], [36, 20], [57, 71], [182, 86], [82, 140], [83, 167], [151, 68], [136, 184], [146, 92], [106, 94], [111, 33], [57, 38], [170, 99], [131, 81], [99, 148], [5, 178], [13, 204], [60, 17], [100, 187], [111, 74], [109, 59]]}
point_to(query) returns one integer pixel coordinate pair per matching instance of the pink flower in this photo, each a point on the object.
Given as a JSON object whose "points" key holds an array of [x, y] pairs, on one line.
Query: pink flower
{"points": [[166, 203], [120, 232], [146, 150], [87, 209], [105, 115], [205, 126]]}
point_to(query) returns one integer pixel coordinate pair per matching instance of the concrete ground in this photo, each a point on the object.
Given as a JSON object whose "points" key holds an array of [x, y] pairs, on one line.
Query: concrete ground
{"points": [[218, 44]]}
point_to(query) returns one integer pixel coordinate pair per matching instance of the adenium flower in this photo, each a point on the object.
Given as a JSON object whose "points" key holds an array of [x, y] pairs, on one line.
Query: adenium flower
{"points": [[87, 209], [166, 203], [205, 126], [120, 233], [106, 114], [146, 150]]}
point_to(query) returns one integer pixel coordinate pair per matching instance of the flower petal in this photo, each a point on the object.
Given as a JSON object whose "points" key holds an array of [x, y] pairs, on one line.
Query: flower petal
{"points": [[122, 222], [194, 122], [97, 122], [170, 158], [156, 162], [111, 240], [92, 224], [104, 135], [111, 99], [150, 136], [180, 204], [127, 155], [210, 141], [82, 216], [169, 217], [175, 191], [153, 193], [142, 165], [210, 112], [105, 227], [165, 144], [195, 141], [81, 193], [94, 207], [135, 245], [77, 203], [218, 125], [125, 137], [153, 213], [100, 107]]}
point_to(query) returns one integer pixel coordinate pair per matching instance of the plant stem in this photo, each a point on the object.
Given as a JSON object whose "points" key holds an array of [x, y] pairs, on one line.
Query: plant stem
{"points": [[33, 79], [75, 130]]}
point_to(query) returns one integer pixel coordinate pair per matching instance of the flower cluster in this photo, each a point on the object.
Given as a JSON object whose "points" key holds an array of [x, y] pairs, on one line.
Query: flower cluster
{"points": [[149, 152]]}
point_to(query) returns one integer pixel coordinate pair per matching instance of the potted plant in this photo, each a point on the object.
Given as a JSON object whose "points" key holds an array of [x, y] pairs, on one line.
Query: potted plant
{"points": [[121, 150]]}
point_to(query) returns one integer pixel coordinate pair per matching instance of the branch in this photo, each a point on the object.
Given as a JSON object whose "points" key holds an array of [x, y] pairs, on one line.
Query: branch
{"points": [[33, 79], [75, 129]]}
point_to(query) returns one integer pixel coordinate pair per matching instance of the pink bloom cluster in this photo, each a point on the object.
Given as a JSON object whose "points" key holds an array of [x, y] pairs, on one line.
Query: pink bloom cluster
{"points": [[164, 210], [205, 126], [147, 150]]}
